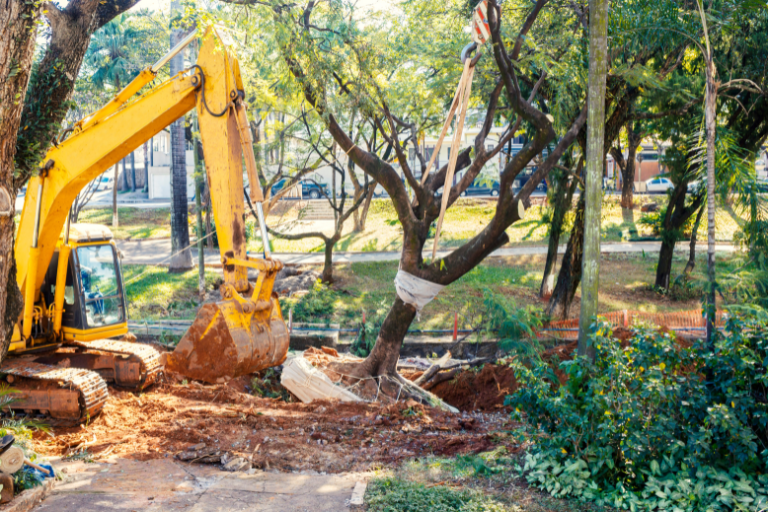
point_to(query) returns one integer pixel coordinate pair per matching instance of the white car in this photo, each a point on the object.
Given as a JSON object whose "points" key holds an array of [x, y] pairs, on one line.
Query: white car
{"points": [[659, 185]]}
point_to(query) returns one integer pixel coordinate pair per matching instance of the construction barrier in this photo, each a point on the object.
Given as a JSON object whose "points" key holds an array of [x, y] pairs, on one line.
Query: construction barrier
{"points": [[690, 322]]}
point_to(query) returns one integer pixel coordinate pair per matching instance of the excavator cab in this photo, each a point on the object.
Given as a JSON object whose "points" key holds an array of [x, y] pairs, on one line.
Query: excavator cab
{"points": [[94, 297]]}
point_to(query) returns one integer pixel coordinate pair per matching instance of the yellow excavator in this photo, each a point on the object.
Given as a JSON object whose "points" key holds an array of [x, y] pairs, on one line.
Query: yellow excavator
{"points": [[63, 347]]}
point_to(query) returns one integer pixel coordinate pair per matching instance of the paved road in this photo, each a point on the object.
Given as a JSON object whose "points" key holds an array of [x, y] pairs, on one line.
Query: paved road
{"points": [[157, 252], [164, 485]]}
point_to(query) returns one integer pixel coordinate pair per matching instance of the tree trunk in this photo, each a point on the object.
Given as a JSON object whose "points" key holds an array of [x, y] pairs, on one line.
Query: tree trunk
{"points": [[18, 30], [628, 171], [692, 247], [361, 215], [330, 243], [710, 108], [133, 172], [570, 269], [677, 215], [145, 185], [664, 267], [114, 197], [386, 352], [181, 256], [598, 56], [561, 205], [210, 241], [199, 185]]}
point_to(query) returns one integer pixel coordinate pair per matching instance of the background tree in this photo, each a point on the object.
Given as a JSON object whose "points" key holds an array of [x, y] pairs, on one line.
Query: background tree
{"points": [[108, 55], [598, 66], [181, 256], [36, 101], [337, 66]]}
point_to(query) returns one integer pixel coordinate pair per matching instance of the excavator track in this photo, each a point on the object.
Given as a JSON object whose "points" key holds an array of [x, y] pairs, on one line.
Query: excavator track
{"points": [[66, 393], [140, 369]]}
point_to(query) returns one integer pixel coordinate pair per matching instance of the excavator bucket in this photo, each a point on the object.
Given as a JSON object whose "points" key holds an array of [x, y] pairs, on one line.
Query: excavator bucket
{"points": [[245, 331], [233, 337]]}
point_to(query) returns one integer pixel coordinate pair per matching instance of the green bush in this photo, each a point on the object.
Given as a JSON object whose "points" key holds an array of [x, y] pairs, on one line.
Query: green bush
{"points": [[316, 306], [644, 429], [369, 331], [396, 495]]}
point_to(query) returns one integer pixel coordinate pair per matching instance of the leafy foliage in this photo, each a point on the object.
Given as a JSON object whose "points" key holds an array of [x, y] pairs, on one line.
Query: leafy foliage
{"points": [[316, 305], [369, 331], [643, 429], [514, 327], [268, 385], [393, 495]]}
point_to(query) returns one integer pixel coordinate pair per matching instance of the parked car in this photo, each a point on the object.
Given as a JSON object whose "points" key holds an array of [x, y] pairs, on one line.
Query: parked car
{"points": [[693, 187], [482, 188], [309, 189], [523, 178], [658, 185]]}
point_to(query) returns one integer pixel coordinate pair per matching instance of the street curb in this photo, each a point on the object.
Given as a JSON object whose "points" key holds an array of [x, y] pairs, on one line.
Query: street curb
{"points": [[29, 498]]}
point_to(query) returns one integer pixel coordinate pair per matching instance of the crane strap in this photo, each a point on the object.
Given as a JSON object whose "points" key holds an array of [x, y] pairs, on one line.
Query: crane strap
{"points": [[459, 110]]}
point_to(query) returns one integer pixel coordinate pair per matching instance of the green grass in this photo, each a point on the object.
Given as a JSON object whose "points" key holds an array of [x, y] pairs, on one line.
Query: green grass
{"points": [[133, 223], [152, 293], [484, 482], [384, 233], [468, 216], [625, 283]]}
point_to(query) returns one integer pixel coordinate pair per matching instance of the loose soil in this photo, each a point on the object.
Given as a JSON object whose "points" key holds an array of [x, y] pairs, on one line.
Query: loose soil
{"points": [[483, 390], [322, 436]]}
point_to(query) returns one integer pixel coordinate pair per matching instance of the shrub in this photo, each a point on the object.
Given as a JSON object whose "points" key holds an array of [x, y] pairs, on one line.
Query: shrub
{"points": [[316, 305], [394, 495], [515, 328], [369, 331], [643, 428]]}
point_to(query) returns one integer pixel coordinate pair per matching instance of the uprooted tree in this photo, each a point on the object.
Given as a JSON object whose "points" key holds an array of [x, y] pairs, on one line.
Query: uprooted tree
{"points": [[306, 35]]}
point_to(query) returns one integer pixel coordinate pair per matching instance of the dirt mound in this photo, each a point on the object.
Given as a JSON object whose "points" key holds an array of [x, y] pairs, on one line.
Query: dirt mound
{"points": [[292, 279], [482, 391]]}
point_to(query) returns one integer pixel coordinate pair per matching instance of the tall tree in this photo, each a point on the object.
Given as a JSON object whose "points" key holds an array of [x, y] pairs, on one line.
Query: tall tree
{"points": [[598, 65], [300, 53], [181, 259], [18, 29], [38, 105]]}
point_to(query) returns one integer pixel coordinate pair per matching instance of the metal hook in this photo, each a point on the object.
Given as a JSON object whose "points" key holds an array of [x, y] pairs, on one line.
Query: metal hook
{"points": [[467, 51]]}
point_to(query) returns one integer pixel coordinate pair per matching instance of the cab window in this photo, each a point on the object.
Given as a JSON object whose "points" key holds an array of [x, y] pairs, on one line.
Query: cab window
{"points": [[102, 295]]}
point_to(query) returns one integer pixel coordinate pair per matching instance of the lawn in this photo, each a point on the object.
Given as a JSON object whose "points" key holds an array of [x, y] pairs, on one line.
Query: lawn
{"points": [[383, 231], [152, 293], [133, 223], [626, 283]]}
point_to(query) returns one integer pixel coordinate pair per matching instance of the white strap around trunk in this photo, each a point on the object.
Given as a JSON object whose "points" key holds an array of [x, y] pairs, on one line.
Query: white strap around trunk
{"points": [[415, 291]]}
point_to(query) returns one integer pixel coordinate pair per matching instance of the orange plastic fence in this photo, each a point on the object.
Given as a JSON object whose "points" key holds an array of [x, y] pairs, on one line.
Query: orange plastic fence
{"points": [[676, 321]]}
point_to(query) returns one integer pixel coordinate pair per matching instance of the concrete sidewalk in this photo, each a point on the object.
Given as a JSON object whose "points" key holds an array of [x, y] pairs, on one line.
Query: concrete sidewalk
{"points": [[164, 485], [158, 252]]}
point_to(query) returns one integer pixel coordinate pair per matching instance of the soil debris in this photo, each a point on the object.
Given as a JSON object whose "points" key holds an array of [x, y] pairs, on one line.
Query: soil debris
{"points": [[483, 390], [214, 421]]}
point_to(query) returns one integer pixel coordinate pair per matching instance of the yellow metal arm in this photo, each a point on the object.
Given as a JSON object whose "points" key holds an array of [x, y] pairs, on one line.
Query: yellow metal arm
{"points": [[114, 131], [83, 157]]}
